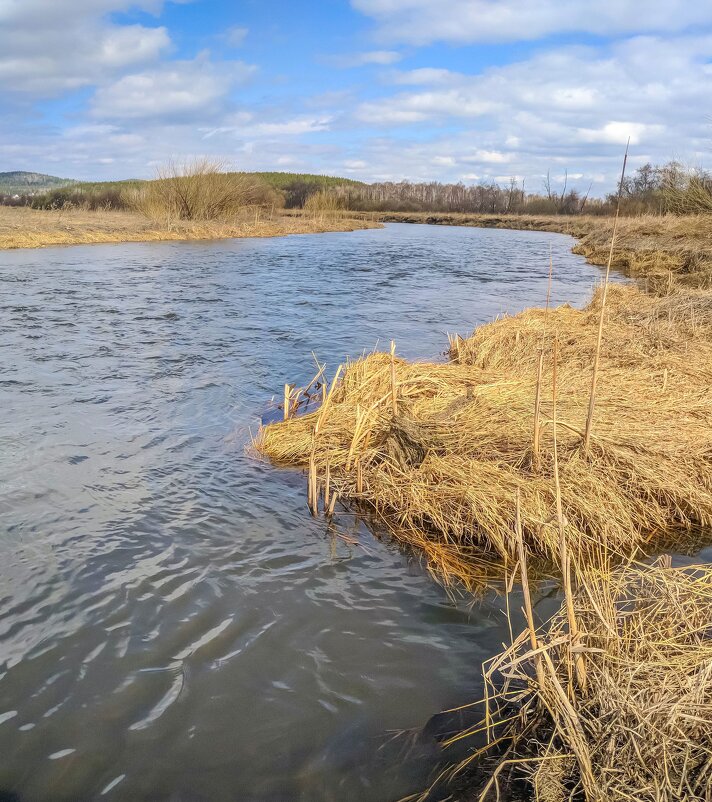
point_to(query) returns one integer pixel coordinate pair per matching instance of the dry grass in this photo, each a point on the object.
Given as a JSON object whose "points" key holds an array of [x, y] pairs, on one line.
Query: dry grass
{"points": [[21, 227], [442, 473], [639, 728], [199, 190]]}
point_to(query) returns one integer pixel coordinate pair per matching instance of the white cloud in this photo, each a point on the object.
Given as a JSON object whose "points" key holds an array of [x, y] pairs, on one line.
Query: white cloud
{"points": [[424, 21], [175, 90], [378, 57], [236, 36], [423, 75], [419, 106], [618, 133], [243, 124], [51, 46], [637, 87], [488, 157]]}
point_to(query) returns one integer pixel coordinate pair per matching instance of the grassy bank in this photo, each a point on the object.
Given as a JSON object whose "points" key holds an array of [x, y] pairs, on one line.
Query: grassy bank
{"points": [[609, 700], [482, 464], [22, 227], [438, 452]]}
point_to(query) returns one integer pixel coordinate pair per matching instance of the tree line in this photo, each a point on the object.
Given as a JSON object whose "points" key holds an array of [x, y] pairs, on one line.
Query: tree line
{"points": [[656, 189]]}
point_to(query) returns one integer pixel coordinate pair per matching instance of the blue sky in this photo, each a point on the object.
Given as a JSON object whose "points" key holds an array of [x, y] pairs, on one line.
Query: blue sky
{"points": [[451, 90]]}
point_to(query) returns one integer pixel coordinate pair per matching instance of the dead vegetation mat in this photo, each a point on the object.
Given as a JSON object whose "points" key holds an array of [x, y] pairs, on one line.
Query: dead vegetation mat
{"points": [[437, 452]]}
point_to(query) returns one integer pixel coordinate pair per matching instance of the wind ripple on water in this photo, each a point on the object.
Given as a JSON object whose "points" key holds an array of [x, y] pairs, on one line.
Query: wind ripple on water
{"points": [[173, 624]]}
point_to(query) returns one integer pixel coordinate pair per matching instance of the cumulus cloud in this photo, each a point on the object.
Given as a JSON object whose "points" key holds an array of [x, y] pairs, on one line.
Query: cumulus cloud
{"points": [[377, 57], [424, 21], [236, 36], [243, 124], [175, 90], [638, 87], [51, 46]]}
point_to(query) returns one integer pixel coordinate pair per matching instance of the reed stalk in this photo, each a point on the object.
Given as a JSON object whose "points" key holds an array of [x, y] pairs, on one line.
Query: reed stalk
{"points": [[359, 477], [394, 396], [287, 400], [563, 548], [597, 355], [312, 488], [537, 413], [521, 549]]}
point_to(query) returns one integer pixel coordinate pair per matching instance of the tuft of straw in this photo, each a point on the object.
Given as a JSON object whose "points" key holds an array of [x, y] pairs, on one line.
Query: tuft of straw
{"points": [[641, 729], [442, 473]]}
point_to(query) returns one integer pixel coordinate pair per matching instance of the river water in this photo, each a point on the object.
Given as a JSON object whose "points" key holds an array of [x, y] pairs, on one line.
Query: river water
{"points": [[173, 623]]}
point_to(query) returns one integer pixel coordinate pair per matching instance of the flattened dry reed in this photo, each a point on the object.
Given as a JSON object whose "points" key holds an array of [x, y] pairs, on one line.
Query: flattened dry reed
{"points": [[442, 474], [641, 729]]}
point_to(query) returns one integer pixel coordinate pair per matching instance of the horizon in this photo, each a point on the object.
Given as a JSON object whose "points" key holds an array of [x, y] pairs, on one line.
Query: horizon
{"points": [[466, 91]]}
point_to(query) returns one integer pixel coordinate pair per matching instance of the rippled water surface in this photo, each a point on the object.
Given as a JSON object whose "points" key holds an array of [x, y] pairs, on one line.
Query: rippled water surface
{"points": [[173, 624]]}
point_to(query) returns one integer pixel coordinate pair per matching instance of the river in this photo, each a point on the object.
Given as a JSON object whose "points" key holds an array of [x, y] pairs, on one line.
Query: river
{"points": [[173, 623]]}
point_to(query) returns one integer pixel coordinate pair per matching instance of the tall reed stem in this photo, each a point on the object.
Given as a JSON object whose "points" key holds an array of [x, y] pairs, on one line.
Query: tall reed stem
{"points": [[537, 412], [596, 358], [394, 396], [563, 548], [287, 399], [525, 587]]}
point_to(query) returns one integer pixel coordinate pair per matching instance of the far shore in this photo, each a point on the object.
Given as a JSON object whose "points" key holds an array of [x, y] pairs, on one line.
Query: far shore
{"points": [[22, 227], [656, 247]]}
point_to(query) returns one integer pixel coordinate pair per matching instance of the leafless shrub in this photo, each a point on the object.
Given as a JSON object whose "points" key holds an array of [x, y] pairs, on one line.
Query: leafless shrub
{"points": [[199, 190]]}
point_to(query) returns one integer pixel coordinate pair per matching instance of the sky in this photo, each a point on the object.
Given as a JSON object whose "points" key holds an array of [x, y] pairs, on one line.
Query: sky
{"points": [[449, 90]]}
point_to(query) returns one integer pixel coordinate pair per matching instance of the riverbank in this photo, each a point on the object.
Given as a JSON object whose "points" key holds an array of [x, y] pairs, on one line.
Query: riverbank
{"points": [[22, 227], [652, 246], [484, 463]]}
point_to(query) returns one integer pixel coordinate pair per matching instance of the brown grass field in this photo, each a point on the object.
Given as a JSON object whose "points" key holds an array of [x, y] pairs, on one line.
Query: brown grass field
{"points": [[22, 227]]}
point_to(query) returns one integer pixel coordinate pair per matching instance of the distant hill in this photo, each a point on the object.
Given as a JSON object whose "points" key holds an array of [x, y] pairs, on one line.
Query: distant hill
{"points": [[282, 180], [20, 182]]}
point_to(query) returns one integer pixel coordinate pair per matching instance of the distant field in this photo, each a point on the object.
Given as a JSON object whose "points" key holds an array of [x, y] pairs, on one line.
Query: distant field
{"points": [[23, 227]]}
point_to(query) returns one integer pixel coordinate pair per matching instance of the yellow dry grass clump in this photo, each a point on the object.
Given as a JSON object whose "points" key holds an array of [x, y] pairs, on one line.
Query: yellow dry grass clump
{"points": [[438, 452], [639, 728]]}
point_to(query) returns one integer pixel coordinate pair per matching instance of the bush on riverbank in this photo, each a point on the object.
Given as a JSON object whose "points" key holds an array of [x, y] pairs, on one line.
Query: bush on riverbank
{"points": [[201, 191]]}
